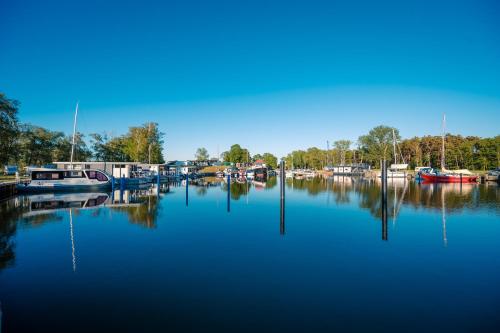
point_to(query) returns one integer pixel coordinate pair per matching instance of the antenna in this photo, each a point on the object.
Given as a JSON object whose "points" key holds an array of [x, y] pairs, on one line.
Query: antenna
{"points": [[74, 134]]}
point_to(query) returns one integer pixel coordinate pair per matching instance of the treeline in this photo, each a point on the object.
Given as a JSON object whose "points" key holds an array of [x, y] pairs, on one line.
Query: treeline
{"points": [[237, 154], [26, 144], [469, 152]]}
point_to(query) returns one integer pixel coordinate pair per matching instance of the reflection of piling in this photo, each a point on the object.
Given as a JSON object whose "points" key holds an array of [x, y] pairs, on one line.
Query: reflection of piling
{"points": [[187, 188], [112, 189], [282, 197], [122, 187], [158, 185], [383, 179], [228, 193]]}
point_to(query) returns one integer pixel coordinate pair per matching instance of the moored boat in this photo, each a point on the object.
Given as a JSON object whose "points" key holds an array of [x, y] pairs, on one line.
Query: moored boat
{"points": [[448, 177], [47, 180]]}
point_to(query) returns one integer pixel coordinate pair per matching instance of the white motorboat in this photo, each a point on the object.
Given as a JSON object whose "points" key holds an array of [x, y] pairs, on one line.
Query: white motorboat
{"points": [[43, 180]]}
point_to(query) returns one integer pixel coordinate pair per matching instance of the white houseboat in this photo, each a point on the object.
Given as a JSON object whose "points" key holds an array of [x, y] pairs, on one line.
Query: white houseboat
{"points": [[42, 179]]}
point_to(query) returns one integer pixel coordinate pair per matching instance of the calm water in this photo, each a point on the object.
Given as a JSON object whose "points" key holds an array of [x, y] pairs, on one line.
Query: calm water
{"points": [[170, 263]]}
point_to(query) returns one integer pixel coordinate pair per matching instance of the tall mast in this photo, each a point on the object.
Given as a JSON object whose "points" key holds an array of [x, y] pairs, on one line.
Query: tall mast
{"points": [[328, 153], [74, 135], [394, 146], [442, 143]]}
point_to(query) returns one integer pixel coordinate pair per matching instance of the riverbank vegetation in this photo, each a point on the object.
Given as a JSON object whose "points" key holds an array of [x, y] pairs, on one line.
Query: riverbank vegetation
{"points": [[471, 152], [237, 154], [27, 144]]}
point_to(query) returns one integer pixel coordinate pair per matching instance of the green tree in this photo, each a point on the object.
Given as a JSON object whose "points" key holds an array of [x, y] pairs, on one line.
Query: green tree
{"points": [[236, 154], [342, 146], [377, 144], [270, 160], [9, 129], [144, 143], [201, 154]]}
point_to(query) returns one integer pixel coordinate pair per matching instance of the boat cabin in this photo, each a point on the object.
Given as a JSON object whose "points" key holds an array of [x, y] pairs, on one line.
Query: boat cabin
{"points": [[55, 174]]}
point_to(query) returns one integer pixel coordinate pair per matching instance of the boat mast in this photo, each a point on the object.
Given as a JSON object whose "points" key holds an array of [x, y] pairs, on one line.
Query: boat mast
{"points": [[442, 142], [74, 135], [394, 146]]}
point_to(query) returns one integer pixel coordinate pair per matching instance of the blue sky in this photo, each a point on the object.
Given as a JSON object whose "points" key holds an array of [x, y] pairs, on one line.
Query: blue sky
{"points": [[270, 75]]}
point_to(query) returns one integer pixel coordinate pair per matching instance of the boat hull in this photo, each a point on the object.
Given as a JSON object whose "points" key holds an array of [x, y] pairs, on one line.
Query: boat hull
{"points": [[448, 178], [62, 188]]}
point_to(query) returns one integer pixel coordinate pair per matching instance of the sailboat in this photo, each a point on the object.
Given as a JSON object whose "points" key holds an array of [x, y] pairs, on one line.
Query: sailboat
{"points": [[396, 170], [445, 175], [47, 179]]}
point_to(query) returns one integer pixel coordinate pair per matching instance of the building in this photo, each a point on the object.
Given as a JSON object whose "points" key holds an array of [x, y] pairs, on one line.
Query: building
{"points": [[116, 169]]}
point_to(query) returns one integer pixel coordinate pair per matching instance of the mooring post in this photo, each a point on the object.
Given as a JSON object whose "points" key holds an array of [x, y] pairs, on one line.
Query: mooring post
{"points": [[229, 192], [158, 184], [282, 197], [112, 189], [384, 199]]}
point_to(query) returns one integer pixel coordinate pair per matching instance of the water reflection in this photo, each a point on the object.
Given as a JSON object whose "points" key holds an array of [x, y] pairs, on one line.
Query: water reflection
{"points": [[142, 206]]}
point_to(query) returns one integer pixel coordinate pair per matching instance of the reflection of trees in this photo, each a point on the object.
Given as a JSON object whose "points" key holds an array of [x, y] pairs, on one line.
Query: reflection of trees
{"points": [[12, 212], [145, 213], [8, 226], [426, 196], [237, 189], [271, 182], [201, 190]]}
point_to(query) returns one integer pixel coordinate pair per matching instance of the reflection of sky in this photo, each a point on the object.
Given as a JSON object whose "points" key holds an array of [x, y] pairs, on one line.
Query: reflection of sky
{"points": [[202, 261]]}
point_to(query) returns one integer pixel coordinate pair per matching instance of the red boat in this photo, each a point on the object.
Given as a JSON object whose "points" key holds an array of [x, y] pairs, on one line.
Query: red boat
{"points": [[448, 178]]}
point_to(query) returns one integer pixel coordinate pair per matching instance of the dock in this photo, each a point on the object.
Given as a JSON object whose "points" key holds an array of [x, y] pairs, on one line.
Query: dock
{"points": [[8, 188]]}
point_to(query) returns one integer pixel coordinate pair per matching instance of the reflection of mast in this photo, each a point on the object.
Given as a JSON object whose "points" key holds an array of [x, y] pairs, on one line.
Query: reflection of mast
{"points": [[399, 203], [72, 239], [443, 216]]}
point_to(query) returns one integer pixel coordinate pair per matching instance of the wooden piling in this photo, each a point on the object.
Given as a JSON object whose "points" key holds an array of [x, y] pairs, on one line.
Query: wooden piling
{"points": [[384, 199], [282, 197]]}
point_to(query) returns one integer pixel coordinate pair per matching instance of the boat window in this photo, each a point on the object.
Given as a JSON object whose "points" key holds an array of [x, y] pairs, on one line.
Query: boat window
{"points": [[47, 175], [101, 177], [91, 174], [73, 174]]}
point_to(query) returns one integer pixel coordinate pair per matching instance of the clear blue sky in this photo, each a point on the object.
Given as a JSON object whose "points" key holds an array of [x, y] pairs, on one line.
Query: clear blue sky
{"points": [[270, 75]]}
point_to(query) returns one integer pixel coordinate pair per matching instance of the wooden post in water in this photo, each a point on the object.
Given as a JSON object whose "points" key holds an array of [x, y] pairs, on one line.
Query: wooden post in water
{"points": [[282, 197], [158, 183], [383, 179], [229, 192]]}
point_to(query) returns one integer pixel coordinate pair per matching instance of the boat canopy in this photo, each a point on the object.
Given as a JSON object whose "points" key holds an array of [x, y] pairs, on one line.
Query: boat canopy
{"points": [[399, 166], [460, 171]]}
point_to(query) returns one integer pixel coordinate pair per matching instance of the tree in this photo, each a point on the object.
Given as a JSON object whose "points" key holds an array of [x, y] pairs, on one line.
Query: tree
{"points": [[144, 143], [201, 154], [376, 144], [270, 160], [236, 154], [342, 147], [9, 129]]}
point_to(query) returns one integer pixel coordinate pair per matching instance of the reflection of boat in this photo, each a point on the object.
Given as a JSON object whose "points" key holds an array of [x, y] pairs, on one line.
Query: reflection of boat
{"points": [[47, 203], [250, 173], [43, 180]]}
